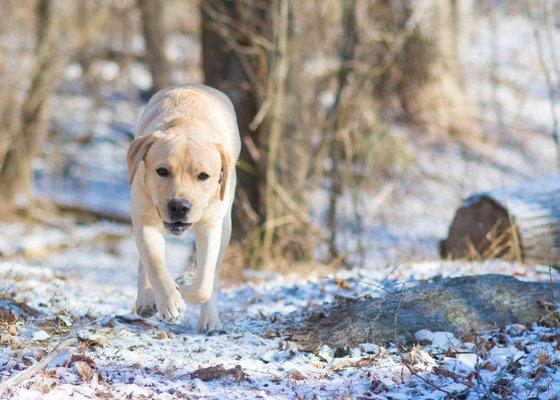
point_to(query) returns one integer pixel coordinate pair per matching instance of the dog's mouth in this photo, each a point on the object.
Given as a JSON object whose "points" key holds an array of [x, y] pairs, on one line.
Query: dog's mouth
{"points": [[178, 227]]}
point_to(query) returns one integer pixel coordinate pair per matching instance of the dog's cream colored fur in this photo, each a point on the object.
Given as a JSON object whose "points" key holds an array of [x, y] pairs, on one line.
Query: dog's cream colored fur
{"points": [[187, 129]]}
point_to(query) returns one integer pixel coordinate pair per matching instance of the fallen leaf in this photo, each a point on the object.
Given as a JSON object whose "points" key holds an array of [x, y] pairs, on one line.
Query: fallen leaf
{"points": [[132, 319], [450, 353], [219, 372], [469, 339], [377, 386], [488, 366], [543, 358], [162, 335], [445, 373], [342, 283], [298, 376], [357, 362], [12, 311], [84, 370], [84, 364], [270, 333]]}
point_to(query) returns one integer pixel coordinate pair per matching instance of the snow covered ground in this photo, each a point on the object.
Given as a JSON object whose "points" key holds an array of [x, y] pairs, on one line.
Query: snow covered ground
{"points": [[87, 292]]}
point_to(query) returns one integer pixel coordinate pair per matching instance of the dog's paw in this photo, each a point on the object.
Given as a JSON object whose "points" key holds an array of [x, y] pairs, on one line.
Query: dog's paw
{"points": [[209, 320], [190, 292], [170, 305], [145, 303]]}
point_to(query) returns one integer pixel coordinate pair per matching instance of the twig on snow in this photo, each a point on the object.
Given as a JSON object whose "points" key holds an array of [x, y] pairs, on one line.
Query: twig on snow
{"points": [[34, 369]]}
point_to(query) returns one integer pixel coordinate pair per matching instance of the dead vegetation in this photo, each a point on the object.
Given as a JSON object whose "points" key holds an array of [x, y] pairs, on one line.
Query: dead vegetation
{"points": [[315, 106], [219, 372]]}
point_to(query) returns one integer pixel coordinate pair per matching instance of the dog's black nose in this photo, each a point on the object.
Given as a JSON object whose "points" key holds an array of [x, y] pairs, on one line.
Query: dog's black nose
{"points": [[178, 209]]}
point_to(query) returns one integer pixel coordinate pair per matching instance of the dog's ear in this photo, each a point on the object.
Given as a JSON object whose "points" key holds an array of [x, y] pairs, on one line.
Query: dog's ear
{"points": [[226, 170], [136, 152]]}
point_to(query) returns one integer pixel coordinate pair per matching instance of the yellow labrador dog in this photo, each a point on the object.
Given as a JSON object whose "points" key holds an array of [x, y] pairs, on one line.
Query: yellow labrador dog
{"points": [[182, 175]]}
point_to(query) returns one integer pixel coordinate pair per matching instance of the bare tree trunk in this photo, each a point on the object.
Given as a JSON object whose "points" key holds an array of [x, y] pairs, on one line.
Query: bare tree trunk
{"points": [[8, 120], [494, 72], [225, 68], [16, 168], [24, 122], [154, 37], [276, 94], [245, 54], [336, 145]]}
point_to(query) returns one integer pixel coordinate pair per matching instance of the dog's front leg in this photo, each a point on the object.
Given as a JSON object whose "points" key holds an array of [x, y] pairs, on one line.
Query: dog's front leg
{"points": [[151, 247], [145, 299]]}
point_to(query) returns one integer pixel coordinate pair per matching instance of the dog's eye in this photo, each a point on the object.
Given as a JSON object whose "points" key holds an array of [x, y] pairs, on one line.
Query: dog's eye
{"points": [[162, 171], [203, 176]]}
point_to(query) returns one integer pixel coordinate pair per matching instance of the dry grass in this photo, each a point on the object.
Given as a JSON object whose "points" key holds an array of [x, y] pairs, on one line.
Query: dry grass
{"points": [[234, 271], [502, 243]]}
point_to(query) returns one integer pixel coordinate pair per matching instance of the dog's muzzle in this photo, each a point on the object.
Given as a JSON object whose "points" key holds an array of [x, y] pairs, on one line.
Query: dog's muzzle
{"points": [[178, 227]]}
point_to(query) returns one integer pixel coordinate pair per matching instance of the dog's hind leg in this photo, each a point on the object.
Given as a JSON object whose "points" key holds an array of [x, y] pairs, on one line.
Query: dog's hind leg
{"points": [[208, 240], [208, 248], [209, 318]]}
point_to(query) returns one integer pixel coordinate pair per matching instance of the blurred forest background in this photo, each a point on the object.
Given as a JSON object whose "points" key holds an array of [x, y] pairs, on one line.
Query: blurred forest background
{"points": [[364, 122]]}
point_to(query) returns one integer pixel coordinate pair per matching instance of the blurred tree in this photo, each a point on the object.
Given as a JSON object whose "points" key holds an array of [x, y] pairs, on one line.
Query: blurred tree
{"points": [[25, 134], [420, 58], [336, 148], [25, 114], [154, 38], [223, 24], [245, 54], [227, 27]]}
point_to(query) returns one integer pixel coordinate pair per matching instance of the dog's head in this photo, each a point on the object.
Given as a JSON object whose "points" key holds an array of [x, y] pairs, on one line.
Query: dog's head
{"points": [[183, 173]]}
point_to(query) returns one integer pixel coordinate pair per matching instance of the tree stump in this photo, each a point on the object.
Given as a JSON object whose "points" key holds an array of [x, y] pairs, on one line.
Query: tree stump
{"points": [[463, 306], [520, 223]]}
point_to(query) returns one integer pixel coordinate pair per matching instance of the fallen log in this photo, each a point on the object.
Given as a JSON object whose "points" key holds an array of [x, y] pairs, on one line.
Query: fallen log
{"points": [[520, 223], [463, 306]]}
